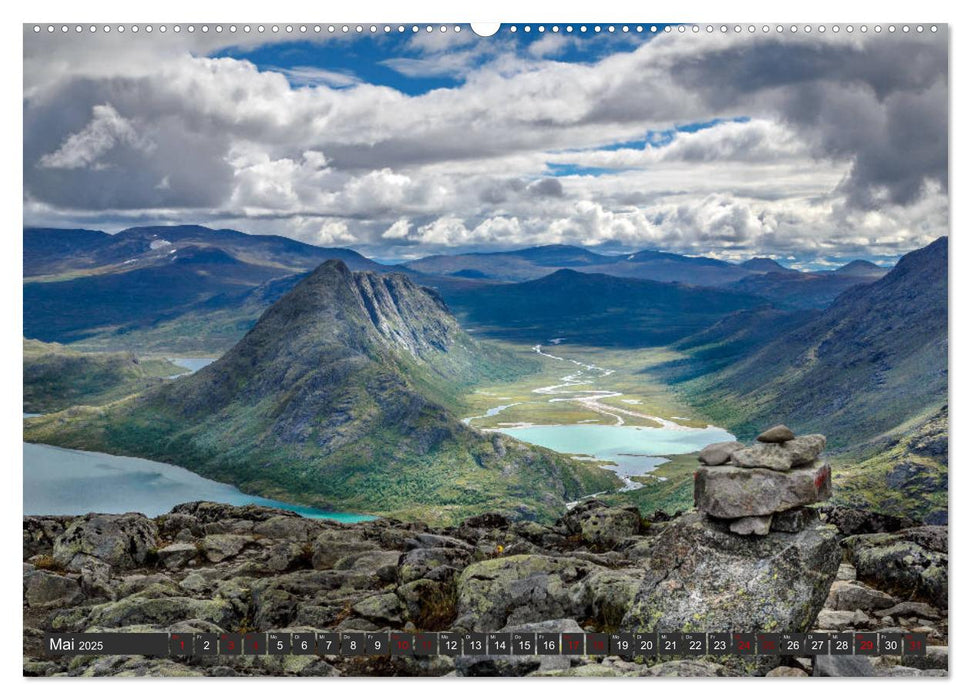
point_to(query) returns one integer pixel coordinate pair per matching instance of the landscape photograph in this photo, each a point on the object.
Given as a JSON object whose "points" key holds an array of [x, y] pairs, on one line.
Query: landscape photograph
{"points": [[365, 333]]}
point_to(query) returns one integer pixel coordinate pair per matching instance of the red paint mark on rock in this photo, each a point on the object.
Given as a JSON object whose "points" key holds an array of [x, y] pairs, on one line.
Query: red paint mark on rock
{"points": [[821, 478]]}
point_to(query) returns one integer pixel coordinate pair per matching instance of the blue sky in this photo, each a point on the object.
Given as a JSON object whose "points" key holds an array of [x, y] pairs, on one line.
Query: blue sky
{"points": [[371, 58]]}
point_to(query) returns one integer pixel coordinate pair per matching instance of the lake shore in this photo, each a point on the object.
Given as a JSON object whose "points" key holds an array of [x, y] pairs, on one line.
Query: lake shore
{"points": [[60, 481]]}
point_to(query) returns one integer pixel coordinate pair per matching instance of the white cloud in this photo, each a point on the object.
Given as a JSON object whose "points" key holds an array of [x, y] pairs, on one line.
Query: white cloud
{"points": [[334, 233], [84, 148], [447, 232], [399, 230], [313, 76]]}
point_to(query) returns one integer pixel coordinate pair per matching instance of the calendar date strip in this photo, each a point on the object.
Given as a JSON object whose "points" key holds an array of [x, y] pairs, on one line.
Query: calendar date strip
{"points": [[631, 645]]}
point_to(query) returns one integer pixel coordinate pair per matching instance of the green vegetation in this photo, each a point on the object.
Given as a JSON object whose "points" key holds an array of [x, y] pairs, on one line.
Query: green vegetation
{"points": [[902, 473], [57, 377]]}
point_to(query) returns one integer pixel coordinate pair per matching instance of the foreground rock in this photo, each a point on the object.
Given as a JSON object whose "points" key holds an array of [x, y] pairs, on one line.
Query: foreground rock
{"points": [[911, 563], [215, 568], [123, 541], [734, 492], [894, 598], [843, 667], [701, 577], [529, 588]]}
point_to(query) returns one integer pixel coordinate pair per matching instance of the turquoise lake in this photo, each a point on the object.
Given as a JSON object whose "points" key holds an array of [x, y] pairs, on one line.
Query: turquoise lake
{"points": [[635, 450]]}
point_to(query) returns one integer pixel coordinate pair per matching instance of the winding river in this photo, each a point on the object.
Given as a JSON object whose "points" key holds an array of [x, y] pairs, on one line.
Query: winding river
{"points": [[631, 450]]}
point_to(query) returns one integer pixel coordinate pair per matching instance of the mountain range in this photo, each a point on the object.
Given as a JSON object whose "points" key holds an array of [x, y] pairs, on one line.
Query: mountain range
{"points": [[595, 309], [342, 396], [198, 289], [870, 371], [79, 284], [74, 252], [533, 263], [339, 383]]}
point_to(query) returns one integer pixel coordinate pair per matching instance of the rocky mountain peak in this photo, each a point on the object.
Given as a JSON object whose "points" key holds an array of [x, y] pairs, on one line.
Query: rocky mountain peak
{"points": [[365, 310]]}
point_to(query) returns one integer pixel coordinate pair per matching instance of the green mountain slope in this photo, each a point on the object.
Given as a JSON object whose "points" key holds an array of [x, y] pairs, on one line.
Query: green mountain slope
{"points": [[56, 377], [876, 356], [901, 472], [870, 372], [341, 396]]}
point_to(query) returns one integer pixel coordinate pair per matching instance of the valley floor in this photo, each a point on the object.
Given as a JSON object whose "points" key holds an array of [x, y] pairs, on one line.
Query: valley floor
{"points": [[610, 388], [583, 384], [589, 386]]}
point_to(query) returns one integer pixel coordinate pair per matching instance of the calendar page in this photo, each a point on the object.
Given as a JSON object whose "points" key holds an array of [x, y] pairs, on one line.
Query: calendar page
{"points": [[459, 350]]}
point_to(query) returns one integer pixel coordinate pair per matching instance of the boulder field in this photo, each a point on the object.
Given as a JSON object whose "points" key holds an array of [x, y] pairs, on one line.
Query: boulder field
{"points": [[207, 567]]}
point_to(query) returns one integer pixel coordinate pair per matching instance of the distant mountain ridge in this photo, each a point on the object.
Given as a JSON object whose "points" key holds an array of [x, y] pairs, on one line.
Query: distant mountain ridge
{"points": [[879, 348], [532, 263], [57, 251], [340, 397], [595, 309], [860, 268], [762, 265], [197, 287], [792, 289]]}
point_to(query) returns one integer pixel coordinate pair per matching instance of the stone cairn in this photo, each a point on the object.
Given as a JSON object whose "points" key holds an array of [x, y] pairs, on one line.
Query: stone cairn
{"points": [[766, 486]]}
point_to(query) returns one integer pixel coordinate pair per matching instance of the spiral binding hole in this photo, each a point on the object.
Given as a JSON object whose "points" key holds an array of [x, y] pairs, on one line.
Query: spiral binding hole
{"points": [[525, 28]]}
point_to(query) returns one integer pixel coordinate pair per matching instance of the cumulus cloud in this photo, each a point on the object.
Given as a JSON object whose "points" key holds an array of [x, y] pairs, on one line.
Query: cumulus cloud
{"points": [[399, 230], [106, 130], [334, 233], [844, 138]]}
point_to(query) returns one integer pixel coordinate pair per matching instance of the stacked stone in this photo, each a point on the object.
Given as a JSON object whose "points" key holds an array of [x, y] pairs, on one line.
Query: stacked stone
{"points": [[767, 486]]}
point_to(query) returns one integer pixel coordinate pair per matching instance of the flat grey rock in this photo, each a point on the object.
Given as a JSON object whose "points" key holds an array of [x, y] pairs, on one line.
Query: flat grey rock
{"points": [[843, 667], [851, 595], [797, 452], [777, 433], [718, 453], [734, 492], [754, 525]]}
